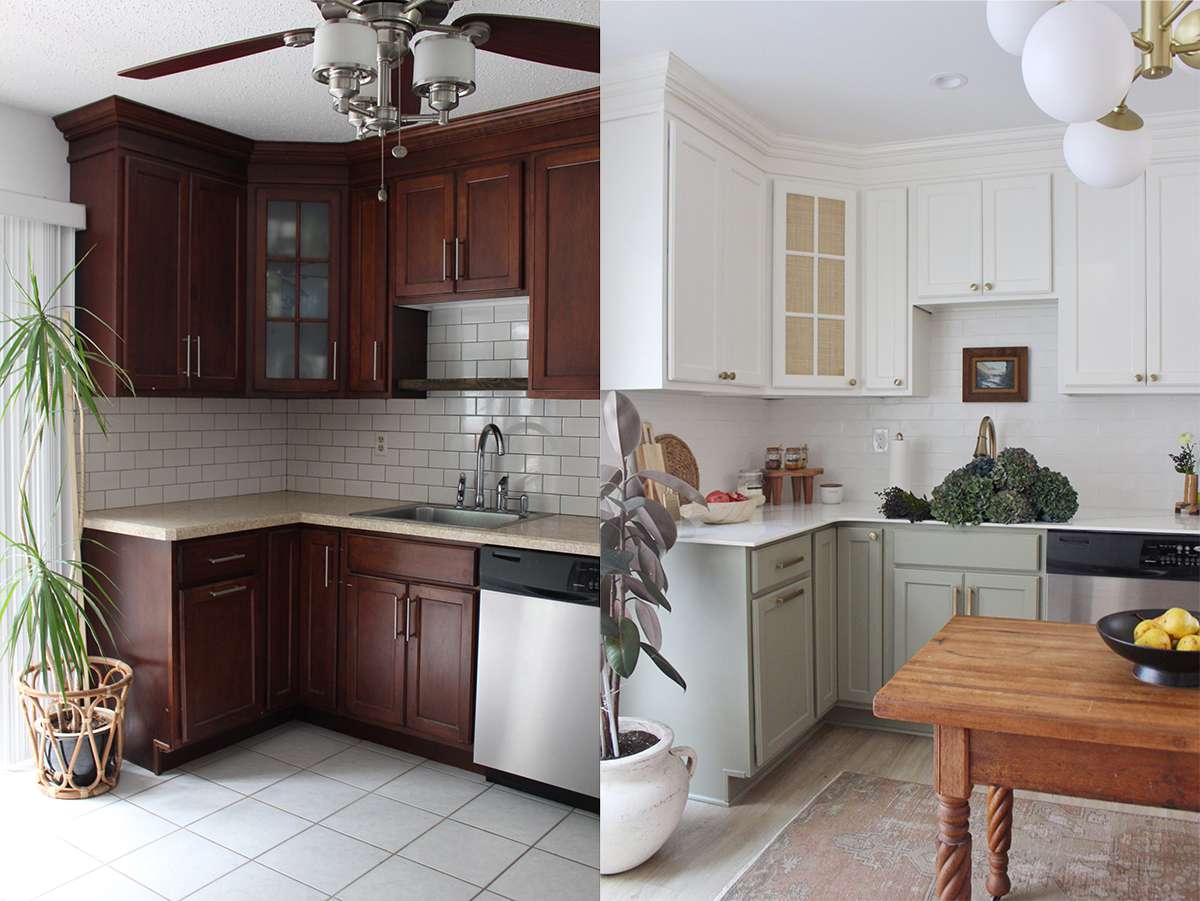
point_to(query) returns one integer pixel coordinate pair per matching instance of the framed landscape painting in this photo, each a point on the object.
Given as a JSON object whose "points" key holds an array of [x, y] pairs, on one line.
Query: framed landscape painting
{"points": [[992, 374]]}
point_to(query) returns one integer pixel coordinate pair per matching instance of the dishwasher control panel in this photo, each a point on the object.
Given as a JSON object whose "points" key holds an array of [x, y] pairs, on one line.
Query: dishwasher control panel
{"points": [[585, 577], [1181, 553]]}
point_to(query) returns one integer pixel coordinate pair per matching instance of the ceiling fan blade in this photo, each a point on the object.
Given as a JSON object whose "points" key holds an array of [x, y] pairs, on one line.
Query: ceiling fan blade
{"points": [[566, 44], [209, 56], [402, 92]]}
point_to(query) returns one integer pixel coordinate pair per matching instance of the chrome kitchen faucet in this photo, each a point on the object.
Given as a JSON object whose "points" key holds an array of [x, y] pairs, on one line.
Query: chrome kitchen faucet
{"points": [[481, 449]]}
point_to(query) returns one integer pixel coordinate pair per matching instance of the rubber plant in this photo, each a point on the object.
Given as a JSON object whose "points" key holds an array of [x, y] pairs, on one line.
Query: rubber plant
{"points": [[56, 601], [635, 533]]}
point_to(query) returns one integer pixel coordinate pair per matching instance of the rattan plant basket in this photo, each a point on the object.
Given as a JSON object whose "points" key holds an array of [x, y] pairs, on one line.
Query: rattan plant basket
{"points": [[78, 737]]}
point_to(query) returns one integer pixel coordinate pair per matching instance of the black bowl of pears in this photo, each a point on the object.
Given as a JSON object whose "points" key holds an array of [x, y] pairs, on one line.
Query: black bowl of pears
{"points": [[1163, 645]]}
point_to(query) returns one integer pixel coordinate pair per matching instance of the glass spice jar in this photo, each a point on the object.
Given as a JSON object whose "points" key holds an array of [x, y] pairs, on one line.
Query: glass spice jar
{"points": [[750, 482], [795, 458], [774, 458]]}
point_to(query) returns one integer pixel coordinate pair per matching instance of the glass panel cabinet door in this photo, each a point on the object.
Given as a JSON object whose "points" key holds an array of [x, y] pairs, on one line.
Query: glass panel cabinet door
{"points": [[814, 294], [298, 308]]}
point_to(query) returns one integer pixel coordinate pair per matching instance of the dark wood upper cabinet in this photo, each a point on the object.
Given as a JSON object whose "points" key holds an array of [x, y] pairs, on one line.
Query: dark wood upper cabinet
{"points": [[154, 300], [564, 293], [216, 285], [440, 684], [283, 632], [422, 236], [373, 650], [297, 290], [223, 672], [369, 303], [487, 247], [317, 611]]}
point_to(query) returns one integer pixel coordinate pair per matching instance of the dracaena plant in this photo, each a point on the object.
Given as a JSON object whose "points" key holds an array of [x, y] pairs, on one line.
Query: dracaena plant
{"points": [[635, 533], [57, 601]]}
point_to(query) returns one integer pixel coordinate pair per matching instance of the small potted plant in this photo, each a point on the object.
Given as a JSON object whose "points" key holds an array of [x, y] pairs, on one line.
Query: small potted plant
{"points": [[73, 701], [1185, 465], [643, 777]]}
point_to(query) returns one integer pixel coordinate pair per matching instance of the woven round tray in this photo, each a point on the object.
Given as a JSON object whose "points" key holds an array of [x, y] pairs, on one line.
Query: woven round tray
{"points": [[679, 459]]}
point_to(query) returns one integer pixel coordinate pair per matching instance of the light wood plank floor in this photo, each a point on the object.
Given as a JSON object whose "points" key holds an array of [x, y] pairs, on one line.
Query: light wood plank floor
{"points": [[713, 844]]}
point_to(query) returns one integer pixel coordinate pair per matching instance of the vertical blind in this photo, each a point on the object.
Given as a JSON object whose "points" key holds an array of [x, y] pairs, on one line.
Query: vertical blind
{"points": [[49, 252]]}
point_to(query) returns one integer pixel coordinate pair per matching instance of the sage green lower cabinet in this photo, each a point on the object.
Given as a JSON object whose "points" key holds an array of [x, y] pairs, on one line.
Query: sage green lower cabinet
{"points": [[784, 701], [1003, 594], [923, 600], [860, 613], [825, 644]]}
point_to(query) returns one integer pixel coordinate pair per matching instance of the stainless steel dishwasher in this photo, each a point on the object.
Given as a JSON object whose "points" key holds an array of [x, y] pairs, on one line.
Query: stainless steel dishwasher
{"points": [[537, 683], [1092, 574]]}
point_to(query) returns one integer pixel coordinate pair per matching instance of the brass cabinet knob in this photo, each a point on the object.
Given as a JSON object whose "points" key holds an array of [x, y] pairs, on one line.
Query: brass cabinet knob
{"points": [[732, 376], [1138, 377], [987, 286], [897, 382], [873, 536], [722, 375], [973, 286], [1154, 376], [853, 382]]}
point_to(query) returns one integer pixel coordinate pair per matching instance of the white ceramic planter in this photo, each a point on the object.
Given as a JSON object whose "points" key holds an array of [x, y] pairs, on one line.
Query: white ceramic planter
{"points": [[642, 798]]}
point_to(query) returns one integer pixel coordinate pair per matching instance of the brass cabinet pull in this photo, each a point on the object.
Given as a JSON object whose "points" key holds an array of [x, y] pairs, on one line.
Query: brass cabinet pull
{"points": [[872, 536], [1138, 377], [970, 600], [732, 376], [1154, 376], [987, 286], [228, 558], [224, 591], [853, 382], [785, 564], [973, 286], [954, 600], [783, 599], [897, 382]]}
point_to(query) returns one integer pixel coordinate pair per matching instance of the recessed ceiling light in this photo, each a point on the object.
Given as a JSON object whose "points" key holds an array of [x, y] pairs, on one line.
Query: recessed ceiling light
{"points": [[948, 81]]}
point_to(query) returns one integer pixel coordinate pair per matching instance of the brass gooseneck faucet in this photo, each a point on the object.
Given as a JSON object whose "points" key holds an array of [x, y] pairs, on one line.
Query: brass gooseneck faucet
{"points": [[985, 444]]}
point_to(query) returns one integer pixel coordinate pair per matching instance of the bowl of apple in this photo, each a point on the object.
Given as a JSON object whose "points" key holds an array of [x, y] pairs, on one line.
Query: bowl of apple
{"points": [[724, 508], [1163, 645]]}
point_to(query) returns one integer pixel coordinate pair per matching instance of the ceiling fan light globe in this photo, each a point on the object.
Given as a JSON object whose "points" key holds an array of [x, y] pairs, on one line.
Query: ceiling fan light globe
{"points": [[345, 47], [443, 68], [1104, 157], [1075, 62], [1010, 21]]}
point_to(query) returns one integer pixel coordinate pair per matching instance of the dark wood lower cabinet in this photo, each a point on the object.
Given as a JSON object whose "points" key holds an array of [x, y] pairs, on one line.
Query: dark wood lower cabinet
{"points": [[441, 674], [223, 671], [317, 610], [283, 633], [373, 650]]}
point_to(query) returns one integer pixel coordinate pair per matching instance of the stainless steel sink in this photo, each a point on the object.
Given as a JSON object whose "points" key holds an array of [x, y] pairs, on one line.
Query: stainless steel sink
{"points": [[447, 516]]}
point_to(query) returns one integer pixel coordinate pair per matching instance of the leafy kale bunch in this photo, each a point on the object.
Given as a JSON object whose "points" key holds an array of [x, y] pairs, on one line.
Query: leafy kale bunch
{"points": [[1010, 488]]}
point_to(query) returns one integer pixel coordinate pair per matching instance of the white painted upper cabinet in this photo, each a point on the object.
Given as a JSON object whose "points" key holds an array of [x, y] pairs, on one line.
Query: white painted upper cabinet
{"points": [[1172, 283], [983, 238], [814, 307], [886, 312], [716, 272]]}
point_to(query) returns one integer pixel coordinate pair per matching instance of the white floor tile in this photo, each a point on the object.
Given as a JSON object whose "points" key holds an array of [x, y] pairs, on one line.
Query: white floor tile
{"points": [[514, 816], [577, 837], [390, 752], [249, 827], [504, 788], [115, 830], [243, 770], [469, 854], [104, 884], [25, 804], [459, 772], [539, 876], [382, 822], [361, 768], [404, 880], [32, 863], [431, 790], [134, 779], [254, 882], [185, 799], [309, 795], [300, 744], [179, 864], [324, 859]]}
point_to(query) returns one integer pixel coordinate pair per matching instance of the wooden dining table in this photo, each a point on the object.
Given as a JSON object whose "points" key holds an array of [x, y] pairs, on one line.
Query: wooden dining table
{"points": [[1040, 706]]}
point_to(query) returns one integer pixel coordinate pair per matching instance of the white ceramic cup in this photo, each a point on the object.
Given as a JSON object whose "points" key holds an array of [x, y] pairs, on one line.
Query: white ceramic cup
{"points": [[832, 493]]}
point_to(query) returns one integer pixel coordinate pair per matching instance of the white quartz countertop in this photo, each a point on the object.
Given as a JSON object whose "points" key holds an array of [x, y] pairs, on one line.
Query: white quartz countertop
{"points": [[219, 516], [771, 524]]}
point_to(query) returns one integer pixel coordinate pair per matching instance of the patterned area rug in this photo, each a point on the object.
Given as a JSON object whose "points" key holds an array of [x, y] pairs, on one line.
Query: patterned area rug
{"points": [[865, 837]]}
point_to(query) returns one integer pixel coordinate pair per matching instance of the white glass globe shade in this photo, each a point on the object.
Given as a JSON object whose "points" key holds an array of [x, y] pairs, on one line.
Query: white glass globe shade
{"points": [[1105, 157], [1076, 61], [1009, 21], [344, 44]]}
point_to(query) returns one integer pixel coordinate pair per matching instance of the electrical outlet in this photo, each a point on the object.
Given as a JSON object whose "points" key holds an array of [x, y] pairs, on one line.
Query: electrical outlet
{"points": [[880, 440], [379, 450]]}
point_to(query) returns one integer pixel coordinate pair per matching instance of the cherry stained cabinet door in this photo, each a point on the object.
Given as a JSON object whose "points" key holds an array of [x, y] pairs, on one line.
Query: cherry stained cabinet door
{"points": [[216, 286], [373, 650], [318, 615], [369, 304], [221, 666], [564, 294], [487, 241], [422, 236], [154, 351], [283, 633], [439, 628]]}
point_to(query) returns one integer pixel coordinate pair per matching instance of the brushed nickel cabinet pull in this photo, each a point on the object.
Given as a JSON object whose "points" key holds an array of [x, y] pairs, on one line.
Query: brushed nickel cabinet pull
{"points": [[197, 356], [785, 564], [444, 243], [407, 617], [457, 276], [224, 591], [228, 558], [396, 616], [783, 599], [374, 360], [335, 370], [326, 566], [188, 343]]}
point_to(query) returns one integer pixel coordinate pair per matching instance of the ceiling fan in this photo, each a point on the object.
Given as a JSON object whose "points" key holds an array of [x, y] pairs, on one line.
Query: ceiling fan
{"points": [[407, 52]]}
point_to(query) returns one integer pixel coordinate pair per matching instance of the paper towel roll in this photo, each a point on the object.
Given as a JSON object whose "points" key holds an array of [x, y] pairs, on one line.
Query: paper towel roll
{"points": [[899, 464]]}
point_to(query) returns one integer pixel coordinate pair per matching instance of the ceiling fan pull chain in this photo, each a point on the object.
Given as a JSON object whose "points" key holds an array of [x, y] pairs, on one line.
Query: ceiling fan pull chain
{"points": [[382, 195]]}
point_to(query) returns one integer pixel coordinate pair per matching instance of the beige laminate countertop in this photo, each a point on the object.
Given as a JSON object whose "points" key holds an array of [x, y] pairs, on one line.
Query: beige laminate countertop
{"points": [[197, 519]]}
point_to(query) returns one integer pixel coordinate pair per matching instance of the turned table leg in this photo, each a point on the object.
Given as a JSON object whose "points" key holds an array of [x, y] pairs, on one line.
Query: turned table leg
{"points": [[953, 864], [808, 489], [999, 833]]}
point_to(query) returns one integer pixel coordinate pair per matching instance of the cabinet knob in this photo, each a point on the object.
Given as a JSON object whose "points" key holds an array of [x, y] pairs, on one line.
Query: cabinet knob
{"points": [[873, 536], [722, 375], [1154, 376], [987, 286], [1138, 377], [973, 286], [897, 382], [853, 382], [732, 376]]}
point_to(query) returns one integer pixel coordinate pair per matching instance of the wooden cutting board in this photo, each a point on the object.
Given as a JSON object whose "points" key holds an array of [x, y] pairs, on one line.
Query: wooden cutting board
{"points": [[649, 455]]}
